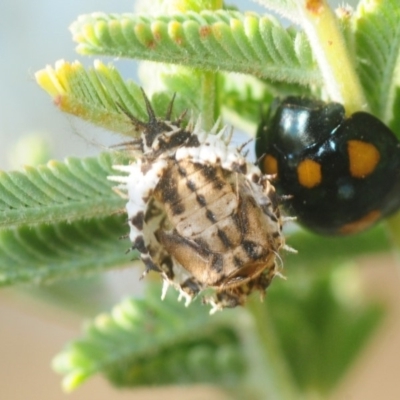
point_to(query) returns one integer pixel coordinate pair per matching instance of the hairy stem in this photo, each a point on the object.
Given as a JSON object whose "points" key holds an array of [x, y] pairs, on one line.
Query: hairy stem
{"points": [[208, 99], [276, 382], [334, 60]]}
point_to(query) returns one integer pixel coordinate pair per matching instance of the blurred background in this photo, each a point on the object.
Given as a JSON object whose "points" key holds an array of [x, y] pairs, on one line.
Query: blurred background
{"points": [[32, 327]]}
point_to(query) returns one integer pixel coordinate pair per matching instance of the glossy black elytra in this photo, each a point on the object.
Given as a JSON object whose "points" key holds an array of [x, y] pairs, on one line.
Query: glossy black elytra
{"points": [[343, 173]]}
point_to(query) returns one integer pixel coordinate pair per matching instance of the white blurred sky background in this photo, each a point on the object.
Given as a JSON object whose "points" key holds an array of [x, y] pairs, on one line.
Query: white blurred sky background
{"points": [[34, 34]]}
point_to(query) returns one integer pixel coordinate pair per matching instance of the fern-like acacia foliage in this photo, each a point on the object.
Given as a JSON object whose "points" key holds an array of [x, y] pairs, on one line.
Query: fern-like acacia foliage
{"points": [[59, 221], [93, 94], [146, 342], [377, 43], [59, 191], [48, 253], [215, 40]]}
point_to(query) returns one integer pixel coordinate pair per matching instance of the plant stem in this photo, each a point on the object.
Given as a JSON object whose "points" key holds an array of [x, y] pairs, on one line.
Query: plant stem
{"points": [[270, 375], [208, 99], [196, 5], [393, 225], [329, 47]]}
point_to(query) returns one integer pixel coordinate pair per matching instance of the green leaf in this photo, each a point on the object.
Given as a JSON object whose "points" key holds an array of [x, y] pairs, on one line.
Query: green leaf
{"points": [[302, 325], [394, 123], [243, 101], [321, 325], [322, 252], [246, 99], [46, 253], [212, 40], [168, 79], [285, 8], [95, 94], [377, 40], [59, 191], [154, 342]]}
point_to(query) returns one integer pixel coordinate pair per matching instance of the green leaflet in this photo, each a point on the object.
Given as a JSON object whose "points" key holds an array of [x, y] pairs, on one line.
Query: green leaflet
{"points": [[218, 40], [146, 342], [140, 338], [46, 253], [59, 191], [332, 251], [395, 121], [285, 8], [149, 342], [95, 94], [244, 100], [377, 41], [321, 325]]}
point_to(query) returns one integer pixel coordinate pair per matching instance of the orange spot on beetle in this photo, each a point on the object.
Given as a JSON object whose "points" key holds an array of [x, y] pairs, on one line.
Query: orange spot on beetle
{"points": [[309, 173], [361, 224], [363, 158], [270, 165]]}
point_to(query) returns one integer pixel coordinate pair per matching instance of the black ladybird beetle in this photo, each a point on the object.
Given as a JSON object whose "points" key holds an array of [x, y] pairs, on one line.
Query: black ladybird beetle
{"points": [[342, 173]]}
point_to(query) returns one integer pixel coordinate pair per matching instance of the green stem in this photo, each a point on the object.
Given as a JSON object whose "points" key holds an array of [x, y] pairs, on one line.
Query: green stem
{"points": [[329, 47], [197, 5], [393, 225], [208, 99], [270, 375]]}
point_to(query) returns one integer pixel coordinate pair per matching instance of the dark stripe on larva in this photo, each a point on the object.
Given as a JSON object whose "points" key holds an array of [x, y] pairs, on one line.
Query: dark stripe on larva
{"points": [[217, 262], [202, 243], [238, 262], [193, 141], [237, 222], [139, 245], [181, 170], [251, 249], [191, 287], [150, 265], [168, 265], [218, 184], [208, 172], [169, 192], [270, 214], [224, 239], [191, 185], [201, 200], [138, 220], [229, 300], [177, 208], [175, 140], [210, 216]]}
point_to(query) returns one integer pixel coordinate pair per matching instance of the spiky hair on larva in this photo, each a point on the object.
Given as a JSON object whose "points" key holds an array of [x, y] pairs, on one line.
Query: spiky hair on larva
{"points": [[199, 213]]}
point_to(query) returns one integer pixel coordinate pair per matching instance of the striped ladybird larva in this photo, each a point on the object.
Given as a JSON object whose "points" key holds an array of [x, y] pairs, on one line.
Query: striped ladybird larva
{"points": [[199, 213]]}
